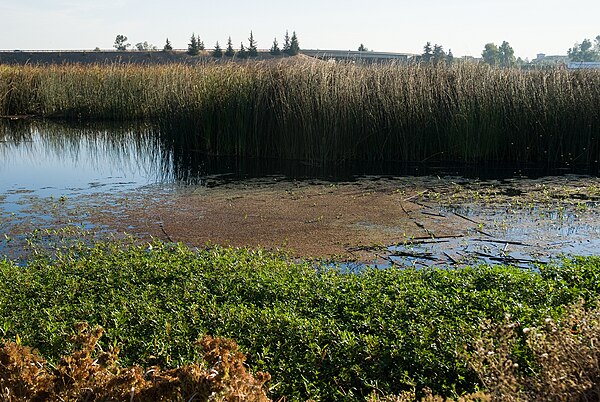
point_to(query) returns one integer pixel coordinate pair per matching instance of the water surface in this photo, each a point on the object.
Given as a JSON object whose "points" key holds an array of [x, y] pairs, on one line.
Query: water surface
{"points": [[53, 175]]}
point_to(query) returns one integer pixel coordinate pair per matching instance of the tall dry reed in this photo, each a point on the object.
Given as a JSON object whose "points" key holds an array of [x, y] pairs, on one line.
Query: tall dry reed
{"points": [[332, 112]]}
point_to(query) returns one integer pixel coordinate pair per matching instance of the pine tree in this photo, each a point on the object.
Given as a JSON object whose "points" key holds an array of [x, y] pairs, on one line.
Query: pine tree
{"points": [[294, 45], [427, 53], [193, 48], [229, 52], [275, 51], [362, 48], [507, 55], [242, 54], [491, 54], [439, 56], [200, 44], [449, 57], [252, 50], [286, 43], [167, 47], [217, 52]]}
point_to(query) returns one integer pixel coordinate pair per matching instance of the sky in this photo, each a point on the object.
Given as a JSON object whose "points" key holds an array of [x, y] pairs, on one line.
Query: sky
{"points": [[463, 26]]}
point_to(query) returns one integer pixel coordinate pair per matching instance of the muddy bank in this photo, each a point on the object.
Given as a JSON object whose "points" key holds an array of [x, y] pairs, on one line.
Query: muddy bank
{"points": [[404, 221]]}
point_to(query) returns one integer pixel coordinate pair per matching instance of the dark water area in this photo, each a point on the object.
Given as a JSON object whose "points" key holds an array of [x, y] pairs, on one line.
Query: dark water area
{"points": [[53, 158], [43, 163]]}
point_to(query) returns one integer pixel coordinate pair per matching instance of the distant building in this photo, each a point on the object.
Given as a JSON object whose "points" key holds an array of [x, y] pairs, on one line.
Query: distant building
{"points": [[542, 60], [358, 56], [584, 65], [471, 59]]}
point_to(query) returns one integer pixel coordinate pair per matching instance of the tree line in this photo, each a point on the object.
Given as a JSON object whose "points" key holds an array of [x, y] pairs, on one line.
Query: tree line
{"points": [[492, 54], [585, 51], [291, 46]]}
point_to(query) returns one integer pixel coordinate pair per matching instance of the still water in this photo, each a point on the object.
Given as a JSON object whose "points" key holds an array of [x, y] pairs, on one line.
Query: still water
{"points": [[42, 164]]}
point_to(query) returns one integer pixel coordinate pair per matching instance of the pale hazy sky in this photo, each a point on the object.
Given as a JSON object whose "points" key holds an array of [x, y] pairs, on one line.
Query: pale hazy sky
{"points": [[464, 26]]}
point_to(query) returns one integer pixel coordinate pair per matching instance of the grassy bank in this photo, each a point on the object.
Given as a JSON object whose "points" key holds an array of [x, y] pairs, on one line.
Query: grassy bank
{"points": [[322, 112], [319, 333]]}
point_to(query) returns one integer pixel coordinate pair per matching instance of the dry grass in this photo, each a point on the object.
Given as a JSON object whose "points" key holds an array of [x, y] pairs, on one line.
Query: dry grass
{"points": [[90, 374], [566, 359], [322, 112]]}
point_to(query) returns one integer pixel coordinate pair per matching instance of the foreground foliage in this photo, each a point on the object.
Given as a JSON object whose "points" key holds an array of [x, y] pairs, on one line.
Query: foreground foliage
{"points": [[320, 333], [326, 112], [89, 374]]}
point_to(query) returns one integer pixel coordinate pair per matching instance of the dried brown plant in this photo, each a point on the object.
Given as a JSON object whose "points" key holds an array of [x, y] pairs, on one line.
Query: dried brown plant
{"points": [[566, 365], [90, 374]]}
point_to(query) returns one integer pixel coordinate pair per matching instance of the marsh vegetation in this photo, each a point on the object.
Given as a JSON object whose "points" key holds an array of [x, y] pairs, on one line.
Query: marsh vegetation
{"points": [[323, 112], [320, 333]]}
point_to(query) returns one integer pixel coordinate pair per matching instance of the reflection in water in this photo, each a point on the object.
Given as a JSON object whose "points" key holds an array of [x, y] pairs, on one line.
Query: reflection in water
{"points": [[39, 154], [45, 167]]}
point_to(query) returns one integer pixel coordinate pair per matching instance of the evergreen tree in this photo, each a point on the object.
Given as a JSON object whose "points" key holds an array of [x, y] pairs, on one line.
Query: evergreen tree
{"points": [[275, 51], [362, 48], [242, 54], [439, 56], [286, 43], [229, 52], [217, 52], [427, 53], [200, 44], [193, 48], [585, 51], [506, 55], [449, 57], [252, 50], [491, 54], [294, 45], [168, 47]]}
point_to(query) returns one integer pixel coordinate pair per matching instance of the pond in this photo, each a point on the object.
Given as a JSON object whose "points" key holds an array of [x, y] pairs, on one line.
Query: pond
{"points": [[139, 179]]}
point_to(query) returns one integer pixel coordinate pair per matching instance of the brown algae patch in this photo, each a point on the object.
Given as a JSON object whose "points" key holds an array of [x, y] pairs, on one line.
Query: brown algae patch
{"points": [[359, 220], [426, 220]]}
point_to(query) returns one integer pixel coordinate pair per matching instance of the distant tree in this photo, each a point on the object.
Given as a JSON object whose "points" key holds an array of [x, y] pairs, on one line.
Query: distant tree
{"points": [[286, 43], [252, 50], [120, 43], [229, 52], [193, 48], [242, 53], [217, 51], [449, 57], [275, 51], [439, 56], [145, 46], [506, 55], [96, 49], [427, 53], [167, 47], [491, 54], [362, 48], [200, 43], [294, 45], [585, 51]]}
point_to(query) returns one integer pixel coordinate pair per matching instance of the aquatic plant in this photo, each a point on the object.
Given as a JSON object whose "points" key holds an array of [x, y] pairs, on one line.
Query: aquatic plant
{"points": [[324, 112], [320, 333]]}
